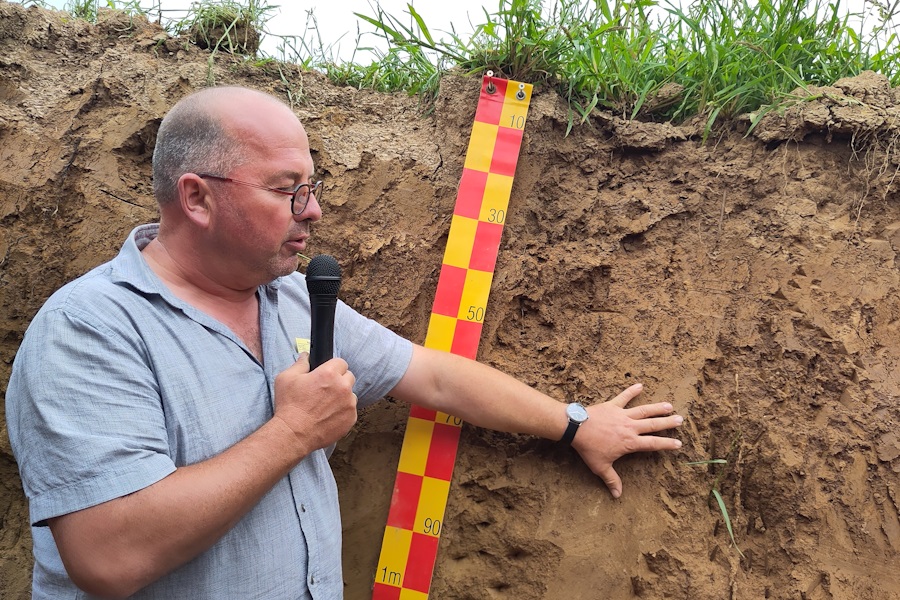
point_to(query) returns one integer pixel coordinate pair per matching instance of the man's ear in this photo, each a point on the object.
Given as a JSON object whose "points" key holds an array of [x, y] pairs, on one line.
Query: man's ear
{"points": [[194, 197]]}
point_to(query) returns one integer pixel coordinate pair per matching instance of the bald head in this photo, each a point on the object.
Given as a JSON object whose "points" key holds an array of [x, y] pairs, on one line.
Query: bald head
{"points": [[206, 132]]}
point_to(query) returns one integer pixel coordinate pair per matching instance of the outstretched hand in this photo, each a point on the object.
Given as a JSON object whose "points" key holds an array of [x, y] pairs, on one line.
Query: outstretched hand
{"points": [[612, 431]]}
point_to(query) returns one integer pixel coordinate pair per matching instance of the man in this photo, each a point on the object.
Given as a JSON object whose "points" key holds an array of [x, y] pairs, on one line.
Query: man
{"points": [[170, 436]]}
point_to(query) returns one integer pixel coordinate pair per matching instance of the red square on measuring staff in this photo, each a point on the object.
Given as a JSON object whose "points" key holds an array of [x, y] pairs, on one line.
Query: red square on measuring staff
{"points": [[426, 414], [506, 151], [449, 291], [385, 592], [465, 339], [442, 452], [420, 564], [471, 193], [486, 246], [405, 501], [490, 106]]}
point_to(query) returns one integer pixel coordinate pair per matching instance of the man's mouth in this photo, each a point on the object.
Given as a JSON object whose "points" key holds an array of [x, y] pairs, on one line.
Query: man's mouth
{"points": [[297, 244]]}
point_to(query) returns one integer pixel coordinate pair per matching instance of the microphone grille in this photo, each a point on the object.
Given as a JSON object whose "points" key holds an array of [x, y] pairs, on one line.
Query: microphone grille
{"points": [[323, 276]]}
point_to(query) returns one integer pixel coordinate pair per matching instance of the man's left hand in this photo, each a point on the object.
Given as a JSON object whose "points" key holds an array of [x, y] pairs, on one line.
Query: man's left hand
{"points": [[612, 431]]}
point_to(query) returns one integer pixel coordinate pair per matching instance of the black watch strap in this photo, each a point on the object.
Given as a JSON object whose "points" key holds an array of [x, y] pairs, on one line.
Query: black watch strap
{"points": [[569, 435]]}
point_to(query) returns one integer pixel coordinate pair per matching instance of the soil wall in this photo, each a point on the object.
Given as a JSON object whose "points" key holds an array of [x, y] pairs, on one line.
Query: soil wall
{"points": [[750, 280]]}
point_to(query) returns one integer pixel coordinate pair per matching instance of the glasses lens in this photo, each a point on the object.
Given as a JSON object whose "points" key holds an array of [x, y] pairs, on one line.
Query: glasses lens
{"points": [[301, 198]]}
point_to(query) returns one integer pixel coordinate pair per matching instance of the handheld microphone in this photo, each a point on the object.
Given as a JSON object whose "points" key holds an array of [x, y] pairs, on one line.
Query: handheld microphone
{"points": [[323, 280]]}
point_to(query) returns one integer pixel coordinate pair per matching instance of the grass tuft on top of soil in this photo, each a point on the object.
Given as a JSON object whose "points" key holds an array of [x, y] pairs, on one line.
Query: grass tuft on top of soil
{"points": [[641, 59]]}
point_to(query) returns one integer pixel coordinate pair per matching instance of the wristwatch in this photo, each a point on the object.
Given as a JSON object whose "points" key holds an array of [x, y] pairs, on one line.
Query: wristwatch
{"points": [[577, 415]]}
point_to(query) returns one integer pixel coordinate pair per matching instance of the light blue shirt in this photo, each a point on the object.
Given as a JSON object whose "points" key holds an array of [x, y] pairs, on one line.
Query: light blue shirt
{"points": [[118, 383]]}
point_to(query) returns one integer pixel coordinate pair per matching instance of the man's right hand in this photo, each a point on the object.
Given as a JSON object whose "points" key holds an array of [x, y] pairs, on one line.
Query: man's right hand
{"points": [[319, 406]]}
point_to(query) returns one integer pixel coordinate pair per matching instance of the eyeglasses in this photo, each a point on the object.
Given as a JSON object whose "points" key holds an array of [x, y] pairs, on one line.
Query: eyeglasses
{"points": [[299, 194]]}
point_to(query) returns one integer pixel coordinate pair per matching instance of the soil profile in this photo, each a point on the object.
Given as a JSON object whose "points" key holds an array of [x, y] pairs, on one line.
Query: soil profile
{"points": [[751, 280]]}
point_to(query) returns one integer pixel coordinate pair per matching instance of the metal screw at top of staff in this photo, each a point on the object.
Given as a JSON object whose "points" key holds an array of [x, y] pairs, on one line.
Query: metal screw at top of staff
{"points": [[492, 89]]}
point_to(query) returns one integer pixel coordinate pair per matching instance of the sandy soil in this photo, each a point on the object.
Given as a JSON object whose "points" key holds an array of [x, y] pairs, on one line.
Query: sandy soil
{"points": [[750, 280]]}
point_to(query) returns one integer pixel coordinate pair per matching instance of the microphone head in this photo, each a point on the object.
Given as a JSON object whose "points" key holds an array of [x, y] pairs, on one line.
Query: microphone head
{"points": [[323, 276]]}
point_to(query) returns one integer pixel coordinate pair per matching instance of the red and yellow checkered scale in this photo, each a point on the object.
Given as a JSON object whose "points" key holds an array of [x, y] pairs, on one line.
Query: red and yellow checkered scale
{"points": [[409, 548]]}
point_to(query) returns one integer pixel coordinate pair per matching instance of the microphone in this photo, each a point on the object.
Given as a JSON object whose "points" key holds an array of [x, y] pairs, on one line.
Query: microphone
{"points": [[323, 280]]}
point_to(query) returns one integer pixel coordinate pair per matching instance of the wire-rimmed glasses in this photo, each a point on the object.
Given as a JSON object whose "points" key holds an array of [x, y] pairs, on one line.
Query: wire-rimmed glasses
{"points": [[299, 194]]}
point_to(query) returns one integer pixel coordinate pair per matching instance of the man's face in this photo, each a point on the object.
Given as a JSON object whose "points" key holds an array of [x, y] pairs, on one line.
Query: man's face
{"points": [[254, 228]]}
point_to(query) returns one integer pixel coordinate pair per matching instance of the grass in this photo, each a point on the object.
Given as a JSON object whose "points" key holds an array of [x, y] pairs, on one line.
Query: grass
{"points": [[717, 495], [228, 25], [89, 10], [722, 58], [653, 60]]}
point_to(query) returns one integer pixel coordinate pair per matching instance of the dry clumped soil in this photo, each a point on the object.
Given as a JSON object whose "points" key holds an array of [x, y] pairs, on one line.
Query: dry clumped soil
{"points": [[752, 281]]}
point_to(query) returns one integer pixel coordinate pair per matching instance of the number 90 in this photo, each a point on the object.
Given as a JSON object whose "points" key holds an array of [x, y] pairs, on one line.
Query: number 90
{"points": [[432, 526]]}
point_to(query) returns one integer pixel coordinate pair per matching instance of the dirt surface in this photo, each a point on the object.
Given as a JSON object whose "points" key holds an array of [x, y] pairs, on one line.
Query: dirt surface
{"points": [[750, 280]]}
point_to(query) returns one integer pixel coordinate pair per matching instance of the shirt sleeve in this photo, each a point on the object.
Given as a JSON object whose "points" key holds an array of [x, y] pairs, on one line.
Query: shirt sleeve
{"points": [[84, 413], [377, 356]]}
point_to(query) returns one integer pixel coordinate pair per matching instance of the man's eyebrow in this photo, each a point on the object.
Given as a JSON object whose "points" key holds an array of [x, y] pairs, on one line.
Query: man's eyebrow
{"points": [[291, 174]]}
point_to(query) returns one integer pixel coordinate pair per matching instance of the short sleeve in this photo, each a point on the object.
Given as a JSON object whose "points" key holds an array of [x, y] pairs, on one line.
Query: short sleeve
{"points": [[84, 413], [377, 356]]}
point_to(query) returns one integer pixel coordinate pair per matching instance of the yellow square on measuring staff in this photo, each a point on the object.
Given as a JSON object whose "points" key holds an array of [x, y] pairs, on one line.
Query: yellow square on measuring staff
{"points": [[475, 295], [440, 332], [394, 554], [496, 198], [460, 241], [514, 110], [432, 503], [416, 441], [481, 146]]}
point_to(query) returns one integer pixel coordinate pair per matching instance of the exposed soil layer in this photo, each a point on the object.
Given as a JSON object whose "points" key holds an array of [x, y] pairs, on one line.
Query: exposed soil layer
{"points": [[750, 280]]}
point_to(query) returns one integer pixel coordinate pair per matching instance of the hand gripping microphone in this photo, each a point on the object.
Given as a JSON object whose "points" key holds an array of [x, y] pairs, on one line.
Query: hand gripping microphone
{"points": [[323, 280]]}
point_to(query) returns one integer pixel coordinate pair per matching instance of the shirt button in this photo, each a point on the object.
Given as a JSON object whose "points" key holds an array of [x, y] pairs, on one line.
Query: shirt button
{"points": [[302, 508], [312, 580]]}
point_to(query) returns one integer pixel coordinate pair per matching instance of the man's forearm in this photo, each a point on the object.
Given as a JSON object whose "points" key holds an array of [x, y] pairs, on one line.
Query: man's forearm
{"points": [[118, 547], [479, 394]]}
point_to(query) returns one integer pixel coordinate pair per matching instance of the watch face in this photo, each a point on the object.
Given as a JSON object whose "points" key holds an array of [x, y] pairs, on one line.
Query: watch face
{"points": [[577, 413]]}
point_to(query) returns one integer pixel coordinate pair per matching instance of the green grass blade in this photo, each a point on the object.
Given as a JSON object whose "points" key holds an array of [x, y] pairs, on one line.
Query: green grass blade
{"points": [[421, 23], [724, 511]]}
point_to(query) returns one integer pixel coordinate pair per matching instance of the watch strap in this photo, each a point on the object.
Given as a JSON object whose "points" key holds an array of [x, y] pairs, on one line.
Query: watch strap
{"points": [[569, 435]]}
